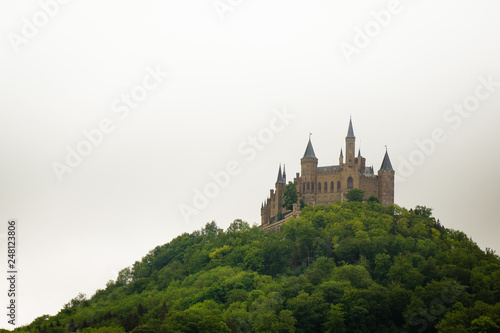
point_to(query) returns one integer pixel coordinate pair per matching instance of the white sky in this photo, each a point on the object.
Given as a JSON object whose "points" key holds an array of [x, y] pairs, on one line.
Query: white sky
{"points": [[226, 78]]}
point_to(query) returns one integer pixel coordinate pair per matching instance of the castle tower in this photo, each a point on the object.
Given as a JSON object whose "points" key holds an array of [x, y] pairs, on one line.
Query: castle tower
{"points": [[361, 161], [386, 181], [279, 191], [350, 140], [309, 165]]}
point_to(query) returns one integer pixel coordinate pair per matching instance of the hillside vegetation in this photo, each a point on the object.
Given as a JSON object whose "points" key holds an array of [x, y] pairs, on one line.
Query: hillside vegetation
{"points": [[347, 267]]}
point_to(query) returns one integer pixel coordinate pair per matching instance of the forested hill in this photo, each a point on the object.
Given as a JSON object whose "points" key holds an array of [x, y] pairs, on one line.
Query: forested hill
{"points": [[349, 267]]}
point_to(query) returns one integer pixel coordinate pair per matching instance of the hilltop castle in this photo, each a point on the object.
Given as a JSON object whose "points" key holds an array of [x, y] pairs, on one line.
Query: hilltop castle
{"points": [[327, 184]]}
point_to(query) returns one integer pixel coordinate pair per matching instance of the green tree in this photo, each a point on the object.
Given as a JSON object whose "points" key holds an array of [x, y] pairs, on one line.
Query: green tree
{"points": [[279, 216], [290, 196], [131, 321], [309, 310], [484, 324], [201, 317], [211, 229], [335, 319], [238, 225], [355, 195]]}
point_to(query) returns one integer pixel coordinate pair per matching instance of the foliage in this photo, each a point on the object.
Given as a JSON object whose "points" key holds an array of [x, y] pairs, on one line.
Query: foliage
{"points": [[348, 267], [279, 216], [355, 195], [290, 196]]}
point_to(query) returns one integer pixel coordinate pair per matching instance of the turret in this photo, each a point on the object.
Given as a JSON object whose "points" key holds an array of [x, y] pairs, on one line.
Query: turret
{"points": [[350, 140], [361, 162], [280, 177], [386, 181], [278, 198], [309, 165], [341, 158]]}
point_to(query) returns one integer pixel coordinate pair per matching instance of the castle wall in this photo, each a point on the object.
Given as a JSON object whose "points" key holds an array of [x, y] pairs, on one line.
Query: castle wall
{"points": [[369, 184]]}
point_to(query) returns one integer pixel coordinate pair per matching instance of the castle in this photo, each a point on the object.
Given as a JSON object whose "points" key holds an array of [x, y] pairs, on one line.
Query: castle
{"points": [[326, 184]]}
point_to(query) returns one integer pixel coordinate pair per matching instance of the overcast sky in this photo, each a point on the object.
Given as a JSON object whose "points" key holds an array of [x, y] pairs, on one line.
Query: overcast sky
{"points": [[116, 115]]}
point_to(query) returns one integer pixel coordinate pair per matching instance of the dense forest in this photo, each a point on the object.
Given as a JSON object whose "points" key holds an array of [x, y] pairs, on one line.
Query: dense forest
{"points": [[347, 267]]}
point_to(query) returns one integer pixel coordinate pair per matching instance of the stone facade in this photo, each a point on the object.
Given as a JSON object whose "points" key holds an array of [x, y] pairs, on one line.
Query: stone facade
{"points": [[327, 184]]}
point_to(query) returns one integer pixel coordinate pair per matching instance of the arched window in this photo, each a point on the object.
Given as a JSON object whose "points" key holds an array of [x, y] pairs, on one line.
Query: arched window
{"points": [[326, 187], [331, 187], [349, 183], [338, 186], [319, 187]]}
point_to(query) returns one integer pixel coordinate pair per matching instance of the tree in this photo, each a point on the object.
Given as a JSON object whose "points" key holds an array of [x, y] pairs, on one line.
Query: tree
{"points": [[335, 319], [302, 204], [211, 229], [373, 199], [355, 195], [310, 311], [125, 276], [76, 301], [131, 321], [279, 216], [238, 225], [290, 196]]}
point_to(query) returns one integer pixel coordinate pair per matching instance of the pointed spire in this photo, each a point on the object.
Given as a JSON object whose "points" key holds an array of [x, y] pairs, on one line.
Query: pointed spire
{"points": [[284, 174], [359, 152], [309, 150], [350, 131], [341, 155], [386, 163], [280, 176]]}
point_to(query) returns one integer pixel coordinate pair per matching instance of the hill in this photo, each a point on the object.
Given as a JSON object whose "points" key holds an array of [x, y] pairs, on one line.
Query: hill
{"points": [[347, 267]]}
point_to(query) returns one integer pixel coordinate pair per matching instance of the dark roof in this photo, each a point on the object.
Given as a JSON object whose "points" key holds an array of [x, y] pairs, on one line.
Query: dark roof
{"points": [[309, 150], [386, 163], [350, 132], [280, 177]]}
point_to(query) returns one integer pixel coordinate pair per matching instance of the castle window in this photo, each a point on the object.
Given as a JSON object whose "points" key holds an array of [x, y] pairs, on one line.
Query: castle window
{"points": [[325, 197], [350, 183], [326, 187], [308, 187], [312, 187], [319, 187], [304, 188], [338, 186], [331, 197], [331, 187]]}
